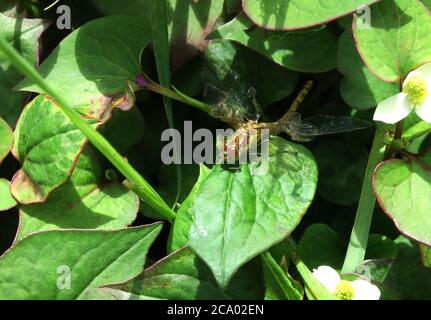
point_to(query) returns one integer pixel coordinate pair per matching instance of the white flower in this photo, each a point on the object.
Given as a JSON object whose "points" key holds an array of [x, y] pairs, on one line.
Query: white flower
{"points": [[346, 290], [416, 95]]}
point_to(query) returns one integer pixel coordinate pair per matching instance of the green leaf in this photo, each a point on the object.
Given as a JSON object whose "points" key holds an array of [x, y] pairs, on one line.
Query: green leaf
{"points": [[320, 245], [342, 171], [24, 35], [298, 14], [278, 283], [403, 189], [397, 41], [179, 236], [233, 6], [272, 82], [97, 60], [142, 188], [314, 289], [6, 200], [112, 7], [168, 190], [124, 129], [188, 79], [288, 49], [414, 127], [380, 247], [345, 22], [427, 4], [37, 267], [188, 22], [48, 144], [6, 141], [360, 88], [9, 7], [86, 201], [183, 276], [401, 278], [251, 212], [425, 255], [18, 8], [419, 144]]}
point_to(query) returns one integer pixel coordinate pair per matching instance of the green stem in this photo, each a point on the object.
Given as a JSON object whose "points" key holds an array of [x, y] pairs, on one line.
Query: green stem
{"points": [[178, 95], [312, 284], [361, 228], [159, 29], [174, 94], [192, 102], [139, 184]]}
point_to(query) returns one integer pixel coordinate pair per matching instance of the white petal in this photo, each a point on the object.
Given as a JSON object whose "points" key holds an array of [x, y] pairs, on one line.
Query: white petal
{"points": [[328, 277], [393, 109], [365, 290], [424, 110], [425, 72]]}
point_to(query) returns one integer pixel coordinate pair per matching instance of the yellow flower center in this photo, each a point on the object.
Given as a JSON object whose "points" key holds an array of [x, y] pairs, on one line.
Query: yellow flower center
{"points": [[416, 89], [344, 290]]}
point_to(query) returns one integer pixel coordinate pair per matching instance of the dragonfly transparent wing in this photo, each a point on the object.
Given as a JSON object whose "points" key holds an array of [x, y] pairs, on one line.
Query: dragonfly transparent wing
{"points": [[306, 130], [297, 129], [224, 106], [231, 98], [327, 124]]}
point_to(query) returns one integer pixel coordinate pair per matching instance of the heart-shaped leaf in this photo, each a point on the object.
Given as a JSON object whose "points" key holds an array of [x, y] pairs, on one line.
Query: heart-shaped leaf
{"points": [[69, 264], [298, 14], [403, 189], [6, 200], [237, 215], [289, 49], [6, 141], [97, 60], [188, 22], [86, 201], [397, 39], [360, 88], [24, 34], [48, 144], [183, 276]]}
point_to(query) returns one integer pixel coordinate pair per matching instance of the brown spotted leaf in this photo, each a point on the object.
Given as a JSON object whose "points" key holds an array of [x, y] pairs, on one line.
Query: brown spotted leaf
{"points": [[48, 145]]}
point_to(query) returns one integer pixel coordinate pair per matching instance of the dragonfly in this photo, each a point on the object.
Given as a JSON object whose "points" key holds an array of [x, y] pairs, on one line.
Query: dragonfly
{"points": [[238, 107]]}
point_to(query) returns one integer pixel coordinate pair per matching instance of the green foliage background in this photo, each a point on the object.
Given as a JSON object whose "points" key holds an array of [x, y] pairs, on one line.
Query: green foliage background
{"points": [[68, 197]]}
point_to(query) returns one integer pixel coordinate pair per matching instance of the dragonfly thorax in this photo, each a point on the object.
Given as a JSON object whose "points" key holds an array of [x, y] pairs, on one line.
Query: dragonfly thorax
{"points": [[244, 140]]}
